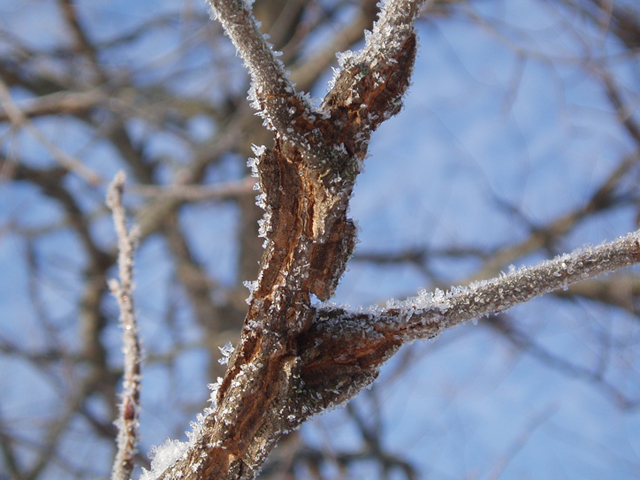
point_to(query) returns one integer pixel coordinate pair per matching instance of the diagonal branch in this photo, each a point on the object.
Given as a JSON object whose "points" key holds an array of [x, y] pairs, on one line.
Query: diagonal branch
{"points": [[272, 92], [347, 344]]}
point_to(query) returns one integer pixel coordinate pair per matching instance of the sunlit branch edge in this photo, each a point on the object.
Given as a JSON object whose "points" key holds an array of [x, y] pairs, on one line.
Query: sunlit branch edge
{"points": [[428, 314]]}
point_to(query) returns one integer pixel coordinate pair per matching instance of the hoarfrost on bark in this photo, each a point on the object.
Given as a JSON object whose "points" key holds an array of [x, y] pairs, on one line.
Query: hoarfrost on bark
{"points": [[226, 352], [171, 451], [394, 25], [213, 396], [264, 227], [338, 347], [251, 286], [163, 456], [344, 59], [270, 86]]}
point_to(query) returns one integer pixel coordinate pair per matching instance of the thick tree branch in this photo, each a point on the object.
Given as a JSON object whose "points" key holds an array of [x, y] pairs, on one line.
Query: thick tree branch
{"points": [[306, 180], [295, 359]]}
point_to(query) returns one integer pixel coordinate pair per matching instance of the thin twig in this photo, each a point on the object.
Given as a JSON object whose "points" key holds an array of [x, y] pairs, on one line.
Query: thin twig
{"points": [[59, 103], [123, 291], [490, 297]]}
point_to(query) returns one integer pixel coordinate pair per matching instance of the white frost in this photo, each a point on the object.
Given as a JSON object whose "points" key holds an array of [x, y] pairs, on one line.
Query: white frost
{"points": [[226, 352], [344, 58], [251, 286], [214, 387], [163, 456]]}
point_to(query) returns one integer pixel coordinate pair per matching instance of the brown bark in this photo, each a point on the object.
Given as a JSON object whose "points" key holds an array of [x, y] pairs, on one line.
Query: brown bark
{"points": [[277, 378]]}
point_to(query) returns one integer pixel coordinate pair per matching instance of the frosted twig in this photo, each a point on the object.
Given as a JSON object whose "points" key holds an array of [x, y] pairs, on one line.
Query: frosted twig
{"points": [[123, 291], [395, 23], [19, 119], [241, 26], [273, 93], [427, 316]]}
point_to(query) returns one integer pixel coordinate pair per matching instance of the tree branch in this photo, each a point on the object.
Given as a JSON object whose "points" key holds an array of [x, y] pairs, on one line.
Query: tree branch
{"points": [[272, 92], [123, 291], [429, 314], [343, 349]]}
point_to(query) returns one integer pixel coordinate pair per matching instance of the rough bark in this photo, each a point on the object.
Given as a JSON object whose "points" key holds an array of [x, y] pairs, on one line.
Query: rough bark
{"points": [[295, 359]]}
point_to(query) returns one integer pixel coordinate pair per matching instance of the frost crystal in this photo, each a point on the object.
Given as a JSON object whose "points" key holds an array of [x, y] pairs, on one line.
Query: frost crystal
{"points": [[344, 58], [163, 456], [251, 286], [258, 150], [253, 163], [226, 352], [264, 225], [214, 387], [261, 200]]}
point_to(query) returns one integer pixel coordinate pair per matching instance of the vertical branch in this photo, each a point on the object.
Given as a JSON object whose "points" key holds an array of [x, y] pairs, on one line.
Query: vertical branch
{"points": [[394, 25], [123, 291]]}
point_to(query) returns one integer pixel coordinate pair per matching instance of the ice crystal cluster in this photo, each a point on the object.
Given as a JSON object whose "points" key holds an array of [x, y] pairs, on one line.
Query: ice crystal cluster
{"points": [[226, 352], [171, 451]]}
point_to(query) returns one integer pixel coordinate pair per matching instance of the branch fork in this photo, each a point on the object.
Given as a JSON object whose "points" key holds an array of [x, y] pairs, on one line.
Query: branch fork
{"points": [[296, 358]]}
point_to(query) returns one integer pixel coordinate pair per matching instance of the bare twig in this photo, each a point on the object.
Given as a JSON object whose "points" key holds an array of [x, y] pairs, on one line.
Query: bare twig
{"points": [[123, 291], [80, 37], [60, 103]]}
